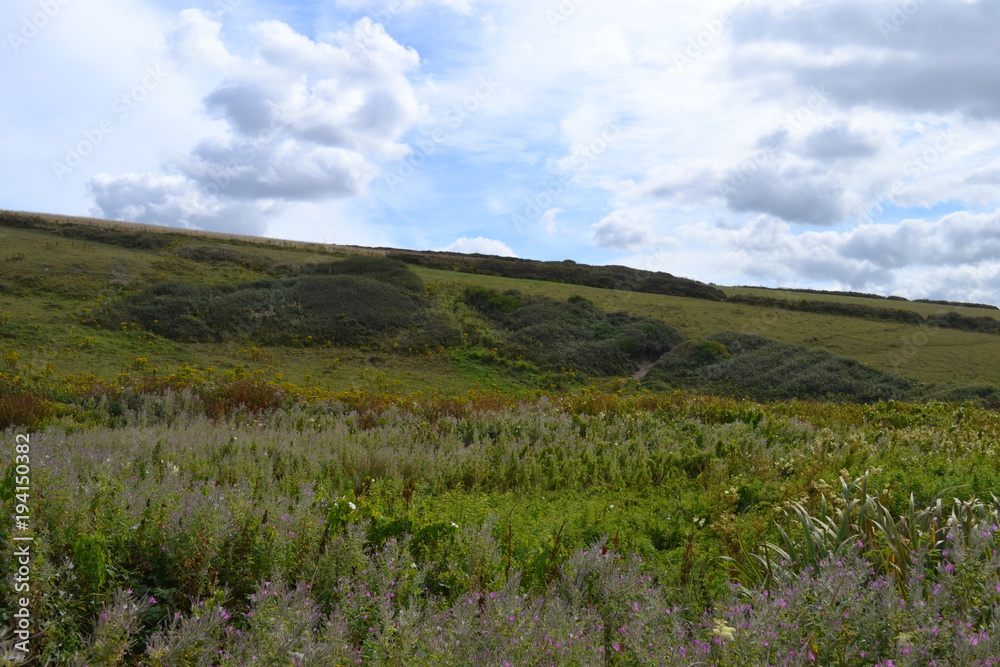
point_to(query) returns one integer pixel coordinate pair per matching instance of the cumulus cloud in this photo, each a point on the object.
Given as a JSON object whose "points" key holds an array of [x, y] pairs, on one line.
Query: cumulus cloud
{"points": [[175, 200], [626, 230], [395, 6], [304, 121], [923, 57], [962, 251], [480, 245]]}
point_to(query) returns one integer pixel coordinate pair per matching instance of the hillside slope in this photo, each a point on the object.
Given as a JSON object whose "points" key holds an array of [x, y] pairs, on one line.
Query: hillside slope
{"points": [[98, 298]]}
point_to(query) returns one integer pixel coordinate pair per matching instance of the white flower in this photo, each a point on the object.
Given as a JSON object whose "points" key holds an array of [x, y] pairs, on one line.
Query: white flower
{"points": [[454, 525], [723, 631], [351, 505]]}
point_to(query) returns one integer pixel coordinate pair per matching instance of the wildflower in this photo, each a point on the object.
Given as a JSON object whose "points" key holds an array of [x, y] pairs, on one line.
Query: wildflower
{"points": [[723, 631], [351, 505], [454, 525]]}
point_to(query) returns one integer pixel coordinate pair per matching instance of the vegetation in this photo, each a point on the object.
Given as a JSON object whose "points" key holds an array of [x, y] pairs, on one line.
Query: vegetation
{"points": [[574, 334], [752, 366], [324, 309], [988, 325], [368, 461], [567, 271], [233, 519]]}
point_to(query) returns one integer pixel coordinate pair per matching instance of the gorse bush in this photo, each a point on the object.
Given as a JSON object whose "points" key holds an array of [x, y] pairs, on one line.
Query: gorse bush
{"points": [[988, 325], [217, 255], [574, 334], [382, 269], [568, 271], [337, 309], [764, 369]]}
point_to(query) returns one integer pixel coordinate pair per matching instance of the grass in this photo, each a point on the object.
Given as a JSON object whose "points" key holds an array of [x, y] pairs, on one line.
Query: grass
{"points": [[235, 517], [923, 353], [923, 308], [232, 502], [51, 279]]}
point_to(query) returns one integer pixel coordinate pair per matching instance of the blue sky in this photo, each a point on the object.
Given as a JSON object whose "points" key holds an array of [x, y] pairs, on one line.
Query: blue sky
{"points": [[843, 145]]}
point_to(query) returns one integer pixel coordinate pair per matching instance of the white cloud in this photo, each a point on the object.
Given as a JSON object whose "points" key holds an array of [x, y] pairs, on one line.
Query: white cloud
{"points": [[304, 121], [175, 200], [388, 7], [961, 251], [766, 155], [548, 221], [627, 230], [480, 245]]}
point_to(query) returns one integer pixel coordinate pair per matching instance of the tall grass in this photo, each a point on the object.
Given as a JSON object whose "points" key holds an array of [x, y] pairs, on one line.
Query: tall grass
{"points": [[579, 529]]}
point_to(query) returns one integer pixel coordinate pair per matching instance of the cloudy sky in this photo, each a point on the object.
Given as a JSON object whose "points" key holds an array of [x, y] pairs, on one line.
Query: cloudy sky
{"points": [[846, 144]]}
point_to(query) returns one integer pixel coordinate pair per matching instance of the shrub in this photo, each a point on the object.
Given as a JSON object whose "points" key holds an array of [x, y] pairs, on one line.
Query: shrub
{"points": [[382, 269], [988, 325], [217, 255], [26, 410], [702, 353], [573, 334], [242, 395], [342, 309], [764, 369], [491, 302], [607, 277]]}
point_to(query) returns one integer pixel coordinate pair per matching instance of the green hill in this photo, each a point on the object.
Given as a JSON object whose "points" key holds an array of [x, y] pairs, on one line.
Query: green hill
{"points": [[87, 301]]}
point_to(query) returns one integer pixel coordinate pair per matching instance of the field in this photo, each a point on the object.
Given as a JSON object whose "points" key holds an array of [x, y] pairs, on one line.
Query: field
{"points": [[449, 468], [586, 529]]}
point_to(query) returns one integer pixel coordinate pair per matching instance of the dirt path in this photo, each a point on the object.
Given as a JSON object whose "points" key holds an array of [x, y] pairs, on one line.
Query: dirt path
{"points": [[644, 367]]}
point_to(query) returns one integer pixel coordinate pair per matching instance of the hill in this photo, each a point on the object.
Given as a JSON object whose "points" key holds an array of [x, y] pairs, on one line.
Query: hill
{"points": [[225, 448], [91, 301]]}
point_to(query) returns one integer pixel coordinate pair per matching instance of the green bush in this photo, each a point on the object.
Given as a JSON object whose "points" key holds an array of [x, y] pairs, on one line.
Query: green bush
{"points": [[341, 309], [382, 269], [490, 301], [568, 272], [573, 334], [764, 369], [702, 353], [216, 255]]}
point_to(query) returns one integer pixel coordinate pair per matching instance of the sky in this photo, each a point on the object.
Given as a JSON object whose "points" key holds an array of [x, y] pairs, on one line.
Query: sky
{"points": [[844, 144]]}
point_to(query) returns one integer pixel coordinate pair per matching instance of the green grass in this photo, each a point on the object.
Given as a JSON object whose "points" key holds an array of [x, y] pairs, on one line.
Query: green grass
{"points": [[270, 482], [48, 280], [925, 354], [925, 309]]}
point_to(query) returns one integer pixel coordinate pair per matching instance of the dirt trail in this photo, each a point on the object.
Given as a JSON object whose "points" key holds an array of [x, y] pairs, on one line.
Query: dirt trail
{"points": [[644, 367]]}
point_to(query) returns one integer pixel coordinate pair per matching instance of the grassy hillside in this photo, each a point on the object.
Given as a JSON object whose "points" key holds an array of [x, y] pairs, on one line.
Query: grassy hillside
{"points": [[81, 298], [283, 453]]}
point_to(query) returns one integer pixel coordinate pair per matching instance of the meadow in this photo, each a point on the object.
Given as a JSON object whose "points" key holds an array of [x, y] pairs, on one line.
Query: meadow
{"points": [[234, 524], [259, 452]]}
